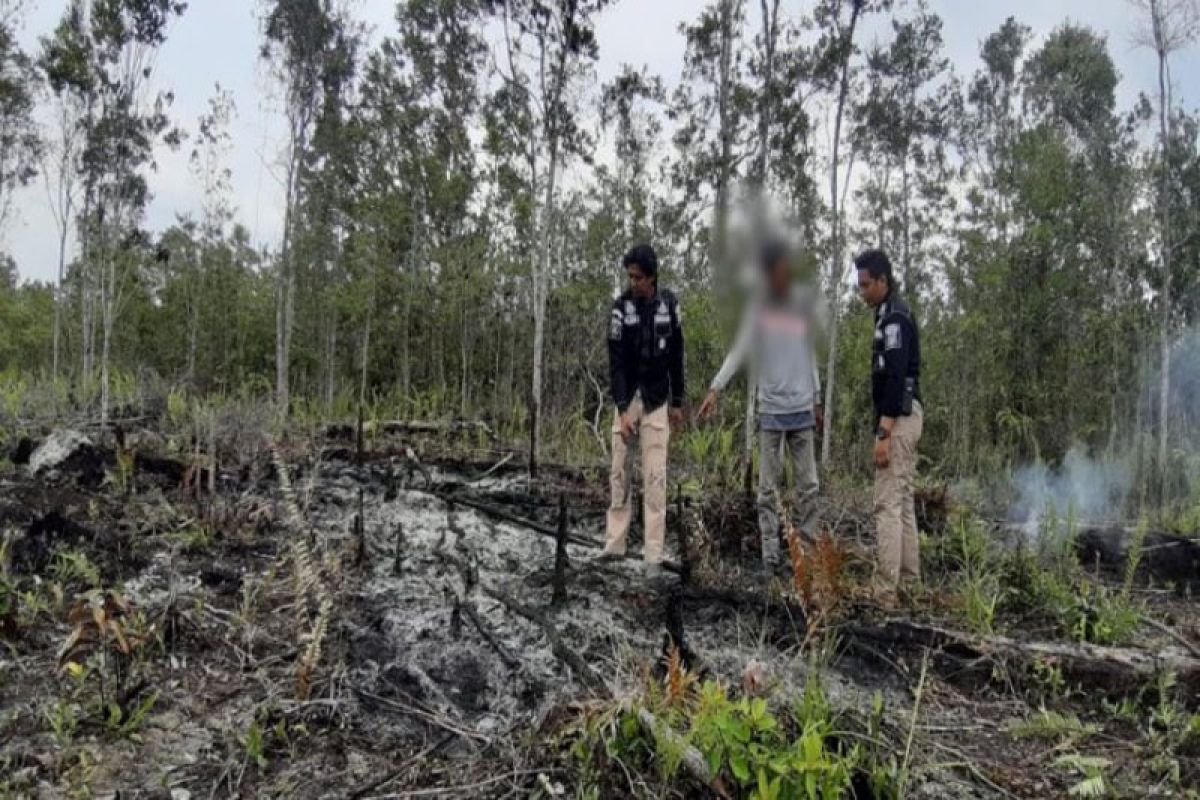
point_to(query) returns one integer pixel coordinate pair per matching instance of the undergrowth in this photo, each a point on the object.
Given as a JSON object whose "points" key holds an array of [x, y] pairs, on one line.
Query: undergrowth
{"points": [[1039, 581], [804, 750]]}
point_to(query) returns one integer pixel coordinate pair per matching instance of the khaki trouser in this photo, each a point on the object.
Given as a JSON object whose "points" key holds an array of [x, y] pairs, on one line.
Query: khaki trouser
{"points": [[895, 514], [652, 431], [802, 504]]}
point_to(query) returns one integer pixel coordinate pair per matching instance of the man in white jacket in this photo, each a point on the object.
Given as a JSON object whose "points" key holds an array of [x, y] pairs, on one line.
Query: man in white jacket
{"points": [[777, 333]]}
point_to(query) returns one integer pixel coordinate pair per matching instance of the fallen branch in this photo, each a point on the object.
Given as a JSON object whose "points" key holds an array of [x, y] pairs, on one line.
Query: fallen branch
{"points": [[562, 651], [494, 467], [1174, 634], [437, 720], [1114, 670], [396, 773], [487, 508], [511, 661]]}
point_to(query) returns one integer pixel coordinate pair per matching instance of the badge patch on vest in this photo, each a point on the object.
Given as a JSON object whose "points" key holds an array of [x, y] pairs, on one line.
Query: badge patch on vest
{"points": [[631, 315], [891, 337]]}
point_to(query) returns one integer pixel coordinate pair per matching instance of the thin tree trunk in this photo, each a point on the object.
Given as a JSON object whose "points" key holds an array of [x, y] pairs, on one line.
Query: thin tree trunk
{"points": [[405, 336], [331, 361], [464, 333], [770, 19], [108, 312], [58, 291], [1164, 388], [284, 287], [541, 282], [911, 275], [725, 117], [835, 269], [193, 330], [86, 296], [366, 340]]}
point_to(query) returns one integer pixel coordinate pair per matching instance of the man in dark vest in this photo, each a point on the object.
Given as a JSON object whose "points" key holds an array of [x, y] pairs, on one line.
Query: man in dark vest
{"points": [[645, 353], [896, 396]]}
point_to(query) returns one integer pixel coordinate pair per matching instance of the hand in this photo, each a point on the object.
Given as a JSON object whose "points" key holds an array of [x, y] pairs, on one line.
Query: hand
{"points": [[881, 453], [626, 424], [819, 416], [707, 408], [675, 416]]}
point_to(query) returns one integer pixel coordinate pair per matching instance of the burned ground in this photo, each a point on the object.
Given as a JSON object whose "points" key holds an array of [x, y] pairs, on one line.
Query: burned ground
{"points": [[333, 622]]}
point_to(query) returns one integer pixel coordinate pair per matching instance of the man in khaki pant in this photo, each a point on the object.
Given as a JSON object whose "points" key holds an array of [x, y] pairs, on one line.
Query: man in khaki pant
{"points": [[896, 395], [645, 353]]}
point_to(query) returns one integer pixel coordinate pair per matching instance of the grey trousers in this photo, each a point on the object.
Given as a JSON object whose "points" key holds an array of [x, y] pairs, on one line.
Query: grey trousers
{"points": [[802, 503]]}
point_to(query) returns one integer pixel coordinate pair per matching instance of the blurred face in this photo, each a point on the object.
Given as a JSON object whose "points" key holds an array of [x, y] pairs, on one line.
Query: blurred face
{"points": [[780, 278], [873, 291], [641, 283]]}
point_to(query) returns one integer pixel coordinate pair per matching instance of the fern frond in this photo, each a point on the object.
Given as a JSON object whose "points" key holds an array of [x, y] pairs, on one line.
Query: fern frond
{"points": [[1089, 787]]}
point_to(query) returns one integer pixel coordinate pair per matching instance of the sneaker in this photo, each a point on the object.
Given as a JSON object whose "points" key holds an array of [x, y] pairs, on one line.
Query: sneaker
{"points": [[608, 556]]}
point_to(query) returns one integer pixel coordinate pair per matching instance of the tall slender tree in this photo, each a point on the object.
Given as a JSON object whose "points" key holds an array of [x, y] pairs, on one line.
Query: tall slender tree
{"points": [[306, 44], [1167, 27], [104, 50], [549, 45]]}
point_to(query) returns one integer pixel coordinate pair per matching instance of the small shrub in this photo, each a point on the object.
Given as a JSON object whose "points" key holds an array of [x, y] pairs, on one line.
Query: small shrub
{"points": [[1102, 616], [63, 722], [126, 725], [255, 744], [1090, 770], [74, 567]]}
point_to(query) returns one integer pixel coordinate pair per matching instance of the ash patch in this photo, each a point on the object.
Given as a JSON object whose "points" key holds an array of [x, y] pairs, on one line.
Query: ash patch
{"points": [[411, 640]]}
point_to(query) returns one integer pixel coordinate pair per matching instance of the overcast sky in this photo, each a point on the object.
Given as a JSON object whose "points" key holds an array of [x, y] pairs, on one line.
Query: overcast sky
{"points": [[216, 41]]}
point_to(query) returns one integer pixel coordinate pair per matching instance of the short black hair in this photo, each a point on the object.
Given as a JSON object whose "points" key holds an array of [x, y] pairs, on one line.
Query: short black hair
{"points": [[876, 263], [644, 256], [773, 253]]}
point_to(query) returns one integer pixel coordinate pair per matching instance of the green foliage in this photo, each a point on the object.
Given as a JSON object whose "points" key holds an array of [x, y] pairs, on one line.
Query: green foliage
{"points": [[126, 725], [744, 739], [766, 753], [713, 457], [1047, 677], [13, 387], [255, 745], [1101, 615], [1173, 732], [1046, 724], [976, 561], [178, 410], [1050, 584], [63, 722], [195, 539], [73, 567], [1090, 770], [975, 565], [1134, 557]]}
